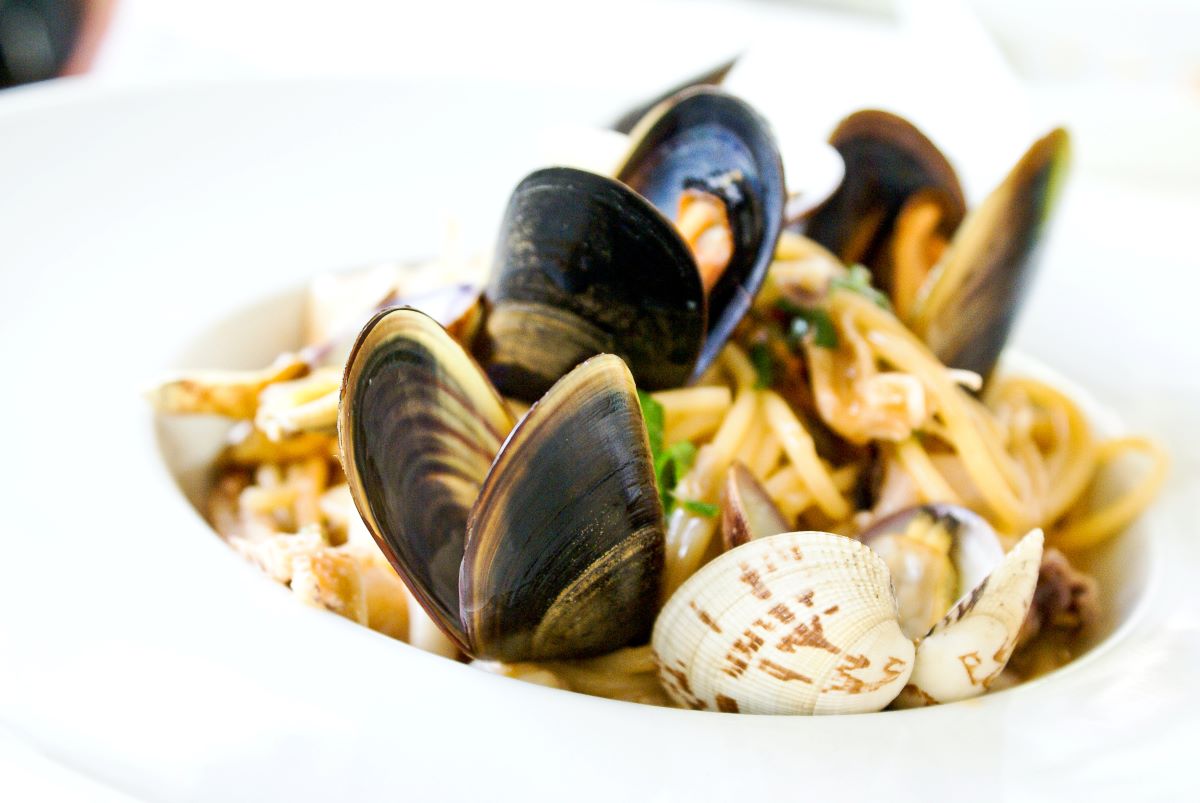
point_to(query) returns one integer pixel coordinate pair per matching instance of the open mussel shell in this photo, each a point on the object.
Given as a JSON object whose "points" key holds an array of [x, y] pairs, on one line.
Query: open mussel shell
{"points": [[887, 161], [565, 543], [747, 512], [795, 623], [969, 648], [973, 294], [705, 137], [419, 425], [585, 266], [936, 553]]}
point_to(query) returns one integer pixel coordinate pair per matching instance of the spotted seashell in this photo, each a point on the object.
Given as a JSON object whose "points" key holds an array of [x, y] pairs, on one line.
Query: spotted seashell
{"points": [[970, 646], [796, 623]]}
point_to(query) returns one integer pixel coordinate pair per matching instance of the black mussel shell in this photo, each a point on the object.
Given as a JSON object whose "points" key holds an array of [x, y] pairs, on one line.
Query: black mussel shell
{"points": [[887, 161], [976, 290], [586, 266], [565, 546], [419, 425], [704, 136]]}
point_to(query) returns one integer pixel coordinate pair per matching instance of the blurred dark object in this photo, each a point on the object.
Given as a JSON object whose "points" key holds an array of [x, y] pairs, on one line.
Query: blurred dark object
{"points": [[712, 77], [38, 38]]}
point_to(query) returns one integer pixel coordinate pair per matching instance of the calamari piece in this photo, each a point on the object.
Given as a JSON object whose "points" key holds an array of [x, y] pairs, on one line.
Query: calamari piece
{"points": [[249, 446], [387, 598], [337, 506], [275, 554], [233, 394], [331, 579], [308, 404]]}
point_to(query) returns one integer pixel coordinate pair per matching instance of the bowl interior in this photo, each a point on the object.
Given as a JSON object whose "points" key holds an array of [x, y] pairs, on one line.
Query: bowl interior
{"points": [[253, 335]]}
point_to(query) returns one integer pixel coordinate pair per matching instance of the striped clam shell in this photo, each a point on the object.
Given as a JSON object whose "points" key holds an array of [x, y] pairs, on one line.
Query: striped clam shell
{"points": [[796, 623], [970, 646]]}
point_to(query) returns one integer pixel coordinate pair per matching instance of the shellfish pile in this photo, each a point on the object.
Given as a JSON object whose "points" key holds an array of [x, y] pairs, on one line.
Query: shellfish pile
{"points": [[494, 438], [542, 539]]}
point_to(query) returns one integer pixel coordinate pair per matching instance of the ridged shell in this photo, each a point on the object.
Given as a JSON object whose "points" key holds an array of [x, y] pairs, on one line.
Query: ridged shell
{"points": [[796, 623], [565, 543], [969, 648], [419, 425]]}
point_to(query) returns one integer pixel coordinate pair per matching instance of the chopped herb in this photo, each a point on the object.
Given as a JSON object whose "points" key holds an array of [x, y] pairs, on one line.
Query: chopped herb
{"points": [[670, 463], [819, 323], [858, 280], [701, 508], [652, 412], [760, 355], [669, 468]]}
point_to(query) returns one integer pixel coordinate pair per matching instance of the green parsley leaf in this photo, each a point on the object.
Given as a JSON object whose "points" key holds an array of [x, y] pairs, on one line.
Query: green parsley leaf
{"points": [[819, 323], [653, 414], [672, 462], [669, 467], [858, 280], [764, 366], [701, 508]]}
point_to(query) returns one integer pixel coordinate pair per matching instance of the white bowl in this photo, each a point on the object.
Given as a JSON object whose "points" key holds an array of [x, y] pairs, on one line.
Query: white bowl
{"points": [[138, 649]]}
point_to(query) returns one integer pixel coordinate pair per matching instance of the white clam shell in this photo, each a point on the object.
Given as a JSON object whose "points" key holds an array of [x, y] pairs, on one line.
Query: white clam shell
{"points": [[797, 623], [970, 646]]}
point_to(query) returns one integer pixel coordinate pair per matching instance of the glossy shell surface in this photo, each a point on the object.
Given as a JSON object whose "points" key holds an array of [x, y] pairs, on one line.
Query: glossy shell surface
{"points": [[585, 266], [565, 547], [697, 135], [887, 160], [419, 425], [976, 290]]}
